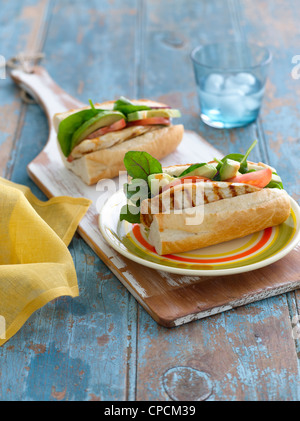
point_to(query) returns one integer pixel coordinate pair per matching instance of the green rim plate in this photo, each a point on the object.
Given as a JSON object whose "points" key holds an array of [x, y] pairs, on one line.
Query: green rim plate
{"points": [[241, 255]]}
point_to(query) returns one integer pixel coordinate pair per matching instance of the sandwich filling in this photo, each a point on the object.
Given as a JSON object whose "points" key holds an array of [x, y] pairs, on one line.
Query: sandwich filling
{"points": [[81, 132], [109, 139]]}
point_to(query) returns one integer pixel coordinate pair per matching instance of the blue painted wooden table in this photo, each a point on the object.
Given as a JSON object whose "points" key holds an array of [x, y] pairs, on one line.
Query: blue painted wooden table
{"points": [[103, 345]]}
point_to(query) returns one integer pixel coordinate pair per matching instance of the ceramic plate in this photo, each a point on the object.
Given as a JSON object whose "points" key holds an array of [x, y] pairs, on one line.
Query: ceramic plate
{"points": [[236, 256]]}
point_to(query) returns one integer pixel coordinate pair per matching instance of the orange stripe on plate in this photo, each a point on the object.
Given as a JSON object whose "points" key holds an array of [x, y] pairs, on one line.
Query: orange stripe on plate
{"points": [[265, 238], [138, 235]]}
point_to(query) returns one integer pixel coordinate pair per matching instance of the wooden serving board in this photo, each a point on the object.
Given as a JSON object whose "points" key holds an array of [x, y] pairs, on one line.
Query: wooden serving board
{"points": [[170, 299]]}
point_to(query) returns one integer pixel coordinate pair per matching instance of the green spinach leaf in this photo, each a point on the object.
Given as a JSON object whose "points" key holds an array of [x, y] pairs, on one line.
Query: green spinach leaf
{"points": [[130, 213], [126, 106], [275, 185], [191, 168], [242, 159], [140, 164], [69, 125]]}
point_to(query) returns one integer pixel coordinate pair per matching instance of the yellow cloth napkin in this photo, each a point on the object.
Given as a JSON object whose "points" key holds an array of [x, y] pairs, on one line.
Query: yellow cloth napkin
{"points": [[35, 263]]}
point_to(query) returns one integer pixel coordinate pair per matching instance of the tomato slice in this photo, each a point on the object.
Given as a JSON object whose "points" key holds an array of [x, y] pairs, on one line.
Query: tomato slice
{"points": [[118, 125], [149, 121], [260, 178], [192, 178]]}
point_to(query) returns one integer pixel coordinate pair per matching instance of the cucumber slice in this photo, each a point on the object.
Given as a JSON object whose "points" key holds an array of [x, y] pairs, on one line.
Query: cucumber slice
{"points": [[229, 169], [201, 170], [102, 119], [165, 112]]}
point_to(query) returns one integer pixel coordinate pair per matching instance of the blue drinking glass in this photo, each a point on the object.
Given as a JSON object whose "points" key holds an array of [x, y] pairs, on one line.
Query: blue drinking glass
{"points": [[230, 78]]}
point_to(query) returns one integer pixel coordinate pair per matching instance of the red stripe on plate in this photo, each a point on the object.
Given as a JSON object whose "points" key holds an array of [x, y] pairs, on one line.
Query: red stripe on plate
{"points": [[265, 238]]}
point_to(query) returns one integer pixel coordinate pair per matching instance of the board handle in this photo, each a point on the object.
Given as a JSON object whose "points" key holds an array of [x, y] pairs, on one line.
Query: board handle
{"points": [[39, 84]]}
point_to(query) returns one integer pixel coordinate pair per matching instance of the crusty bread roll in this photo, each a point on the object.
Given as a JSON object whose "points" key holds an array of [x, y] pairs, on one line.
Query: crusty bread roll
{"points": [[221, 220], [107, 162]]}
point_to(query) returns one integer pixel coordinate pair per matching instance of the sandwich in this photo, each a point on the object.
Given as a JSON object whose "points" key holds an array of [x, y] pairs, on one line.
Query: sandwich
{"points": [[187, 207], [93, 140]]}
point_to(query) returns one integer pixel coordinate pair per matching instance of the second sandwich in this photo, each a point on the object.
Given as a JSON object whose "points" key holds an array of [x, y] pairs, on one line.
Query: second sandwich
{"points": [[94, 140]]}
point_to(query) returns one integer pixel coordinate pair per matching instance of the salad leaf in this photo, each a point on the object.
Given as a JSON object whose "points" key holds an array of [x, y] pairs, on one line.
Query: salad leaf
{"points": [[92, 105], [126, 106], [242, 159], [275, 185], [141, 164], [191, 168], [129, 213], [69, 125], [136, 189]]}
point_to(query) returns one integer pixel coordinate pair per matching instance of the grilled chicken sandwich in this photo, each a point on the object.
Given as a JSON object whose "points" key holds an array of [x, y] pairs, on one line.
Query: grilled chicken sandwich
{"points": [[187, 207], [94, 140]]}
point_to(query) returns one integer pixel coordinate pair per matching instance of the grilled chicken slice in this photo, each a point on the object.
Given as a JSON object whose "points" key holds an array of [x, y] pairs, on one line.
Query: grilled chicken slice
{"points": [[109, 139], [188, 195]]}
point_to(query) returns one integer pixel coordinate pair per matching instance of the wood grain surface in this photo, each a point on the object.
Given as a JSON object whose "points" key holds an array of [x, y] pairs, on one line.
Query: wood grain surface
{"points": [[103, 345]]}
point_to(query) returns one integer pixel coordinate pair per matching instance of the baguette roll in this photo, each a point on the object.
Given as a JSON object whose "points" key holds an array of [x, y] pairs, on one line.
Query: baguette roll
{"points": [[102, 157], [191, 195], [223, 220], [228, 211]]}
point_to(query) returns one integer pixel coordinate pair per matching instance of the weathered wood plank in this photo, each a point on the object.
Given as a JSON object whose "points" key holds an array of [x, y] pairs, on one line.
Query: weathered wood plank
{"points": [[233, 356], [278, 27], [22, 30]]}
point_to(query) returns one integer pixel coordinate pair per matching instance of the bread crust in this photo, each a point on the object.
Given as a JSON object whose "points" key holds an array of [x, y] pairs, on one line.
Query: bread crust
{"points": [[223, 220], [106, 163]]}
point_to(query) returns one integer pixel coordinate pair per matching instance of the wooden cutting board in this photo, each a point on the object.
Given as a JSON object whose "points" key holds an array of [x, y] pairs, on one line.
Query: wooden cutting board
{"points": [[170, 299]]}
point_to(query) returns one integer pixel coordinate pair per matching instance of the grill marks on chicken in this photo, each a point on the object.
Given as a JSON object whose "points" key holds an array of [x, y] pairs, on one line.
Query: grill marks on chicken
{"points": [[190, 195]]}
